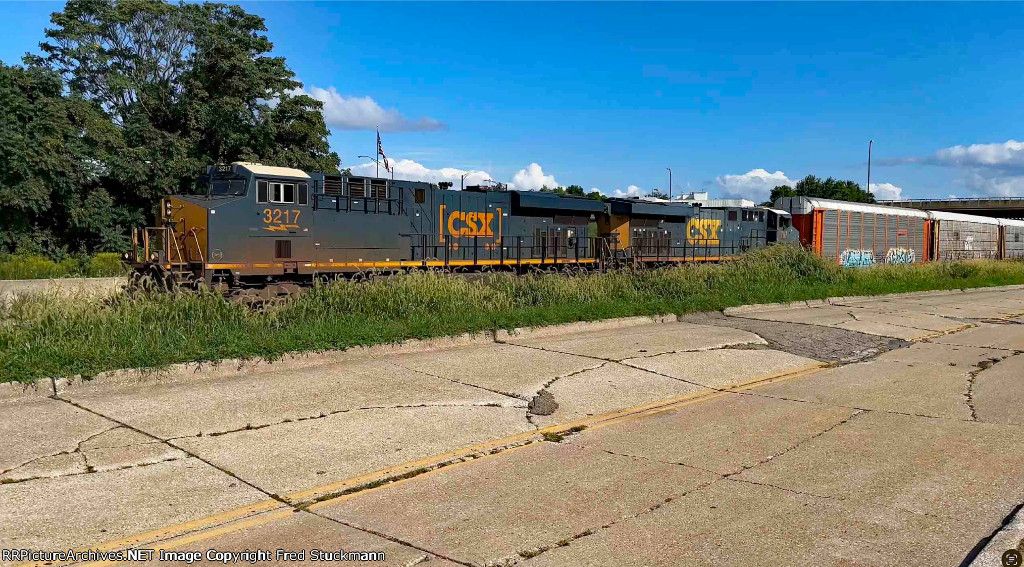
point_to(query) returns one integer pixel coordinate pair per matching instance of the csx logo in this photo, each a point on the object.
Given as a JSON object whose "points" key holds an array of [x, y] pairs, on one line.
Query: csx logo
{"points": [[703, 231], [468, 223]]}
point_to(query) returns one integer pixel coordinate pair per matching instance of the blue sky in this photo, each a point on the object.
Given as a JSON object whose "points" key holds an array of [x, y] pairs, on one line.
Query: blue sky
{"points": [[734, 97]]}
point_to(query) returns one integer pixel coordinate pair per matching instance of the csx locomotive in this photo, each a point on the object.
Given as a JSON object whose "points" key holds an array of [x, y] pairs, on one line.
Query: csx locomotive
{"points": [[251, 224]]}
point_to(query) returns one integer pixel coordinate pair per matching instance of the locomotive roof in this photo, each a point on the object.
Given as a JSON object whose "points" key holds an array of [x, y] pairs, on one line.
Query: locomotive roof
{"points": [[260, 169]]}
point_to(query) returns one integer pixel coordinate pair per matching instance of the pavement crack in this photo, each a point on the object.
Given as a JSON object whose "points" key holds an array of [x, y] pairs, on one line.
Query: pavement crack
{"points": [[526, 554], [544, 403], [783, 488], [972, 378], [454, 381], [392, 539], [77, 449], [325, 414], [173, 446], [794, 446], [90, 470]]}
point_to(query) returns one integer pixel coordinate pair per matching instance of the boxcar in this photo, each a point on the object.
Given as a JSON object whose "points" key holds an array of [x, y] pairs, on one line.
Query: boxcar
{"points": [[962, 237], [860, 234], [1011, 238]]}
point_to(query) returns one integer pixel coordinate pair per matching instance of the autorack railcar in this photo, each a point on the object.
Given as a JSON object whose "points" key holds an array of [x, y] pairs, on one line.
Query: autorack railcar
{"points": [[257, 224]]}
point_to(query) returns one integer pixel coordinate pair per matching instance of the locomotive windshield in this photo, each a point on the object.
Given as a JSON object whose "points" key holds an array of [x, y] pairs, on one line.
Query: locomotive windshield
{"points": [[228, 186]]}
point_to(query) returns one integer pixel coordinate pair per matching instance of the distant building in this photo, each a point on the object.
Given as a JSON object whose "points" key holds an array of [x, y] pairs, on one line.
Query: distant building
{"points": [[701, 198]]}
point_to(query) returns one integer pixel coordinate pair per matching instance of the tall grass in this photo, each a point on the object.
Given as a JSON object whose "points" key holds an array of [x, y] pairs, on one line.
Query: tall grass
{"points": [[50, 336], [28, 267]]}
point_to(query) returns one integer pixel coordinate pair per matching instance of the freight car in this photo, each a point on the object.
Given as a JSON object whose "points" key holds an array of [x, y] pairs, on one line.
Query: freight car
{"points": [[251, 225], [860, 234]]}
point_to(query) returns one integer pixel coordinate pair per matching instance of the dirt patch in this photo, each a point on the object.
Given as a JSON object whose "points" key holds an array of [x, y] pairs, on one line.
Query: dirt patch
{"points": [[827, 344], [543, 404]]}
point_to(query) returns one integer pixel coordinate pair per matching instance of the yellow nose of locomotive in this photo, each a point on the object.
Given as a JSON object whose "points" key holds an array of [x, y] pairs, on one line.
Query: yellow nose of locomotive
{"points": [[188, 229]]}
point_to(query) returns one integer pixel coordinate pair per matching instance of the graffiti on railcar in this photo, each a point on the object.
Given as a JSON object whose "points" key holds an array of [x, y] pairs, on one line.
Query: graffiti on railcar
{"points": [[900, 256], [857, 258]]}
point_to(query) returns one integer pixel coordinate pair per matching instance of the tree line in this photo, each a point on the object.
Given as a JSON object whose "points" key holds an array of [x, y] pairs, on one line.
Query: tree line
{"points": [[128, 101]]}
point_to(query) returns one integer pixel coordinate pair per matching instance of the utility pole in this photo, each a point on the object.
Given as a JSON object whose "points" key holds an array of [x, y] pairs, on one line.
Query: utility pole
{"points": [[462, 185], [669, 183], [870, 142]]}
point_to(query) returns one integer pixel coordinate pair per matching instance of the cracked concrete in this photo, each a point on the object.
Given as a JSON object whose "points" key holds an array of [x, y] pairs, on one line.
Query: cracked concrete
{"points": [[904, 450]]}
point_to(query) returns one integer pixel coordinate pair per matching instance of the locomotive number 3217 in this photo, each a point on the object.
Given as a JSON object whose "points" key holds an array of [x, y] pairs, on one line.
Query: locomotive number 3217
{"points": [[281, 216]]}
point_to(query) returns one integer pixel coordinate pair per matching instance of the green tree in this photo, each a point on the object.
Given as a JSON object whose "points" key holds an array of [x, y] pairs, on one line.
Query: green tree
{"points": [[830, 188], [53, 156], [658, 194], [574, 190], [186, 85]]}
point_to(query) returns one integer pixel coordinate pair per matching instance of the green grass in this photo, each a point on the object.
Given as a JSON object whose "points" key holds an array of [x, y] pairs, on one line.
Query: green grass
{"points": [[26, 267], [42, 336]]}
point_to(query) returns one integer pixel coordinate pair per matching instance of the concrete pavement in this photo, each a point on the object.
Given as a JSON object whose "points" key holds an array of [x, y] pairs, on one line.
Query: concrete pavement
{"points": [[718, 439]]}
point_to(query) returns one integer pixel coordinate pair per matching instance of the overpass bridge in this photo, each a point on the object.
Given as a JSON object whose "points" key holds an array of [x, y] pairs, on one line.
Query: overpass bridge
{"points": [[998, 207]]}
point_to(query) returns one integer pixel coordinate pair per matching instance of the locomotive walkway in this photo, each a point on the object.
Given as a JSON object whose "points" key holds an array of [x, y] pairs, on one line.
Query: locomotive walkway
{"points": [[882, 431]]}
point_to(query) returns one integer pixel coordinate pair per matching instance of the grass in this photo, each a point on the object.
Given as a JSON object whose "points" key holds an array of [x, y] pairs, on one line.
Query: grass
{"points": [[47, 336], [27, 267]]}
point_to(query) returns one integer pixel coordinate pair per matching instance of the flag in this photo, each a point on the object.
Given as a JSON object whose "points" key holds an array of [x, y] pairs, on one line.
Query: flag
{"points": [[380, 151]]}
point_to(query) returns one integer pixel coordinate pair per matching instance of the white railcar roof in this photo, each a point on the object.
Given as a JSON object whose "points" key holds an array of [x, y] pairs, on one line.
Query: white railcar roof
{"points": [[1011, 222], [804, 205], [943, 215]]}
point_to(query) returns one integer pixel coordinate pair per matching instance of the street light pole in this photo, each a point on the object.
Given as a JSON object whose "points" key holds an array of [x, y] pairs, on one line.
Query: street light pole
{"points": [[462, 184], [669, 183], [870, 142]]}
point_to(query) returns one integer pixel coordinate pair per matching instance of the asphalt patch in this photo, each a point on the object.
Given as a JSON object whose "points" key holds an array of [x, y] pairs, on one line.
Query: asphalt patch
{"points": [[542, 404], [827, 344]]}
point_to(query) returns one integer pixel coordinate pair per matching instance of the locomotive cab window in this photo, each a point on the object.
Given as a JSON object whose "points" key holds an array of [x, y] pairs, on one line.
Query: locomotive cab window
{"points": [[732, 215], [281, 193]]}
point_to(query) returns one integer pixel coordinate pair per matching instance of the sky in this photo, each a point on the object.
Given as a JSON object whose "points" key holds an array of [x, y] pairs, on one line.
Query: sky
{"points": [[735, 98]]}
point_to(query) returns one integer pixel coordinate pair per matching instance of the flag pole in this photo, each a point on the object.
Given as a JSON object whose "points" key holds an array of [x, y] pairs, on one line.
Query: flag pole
{"points": [[378, 152]]}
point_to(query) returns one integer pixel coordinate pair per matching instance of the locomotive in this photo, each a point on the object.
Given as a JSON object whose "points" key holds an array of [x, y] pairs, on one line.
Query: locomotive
{"points": [[252, 225]]}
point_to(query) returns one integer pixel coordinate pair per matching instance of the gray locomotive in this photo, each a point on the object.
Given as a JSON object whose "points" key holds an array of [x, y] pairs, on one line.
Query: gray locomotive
{"points": [[258, 224]]}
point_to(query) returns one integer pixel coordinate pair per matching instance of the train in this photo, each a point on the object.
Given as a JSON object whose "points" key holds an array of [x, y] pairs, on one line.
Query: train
{"points": [[862, 235], [255, 226], [251, 225]]}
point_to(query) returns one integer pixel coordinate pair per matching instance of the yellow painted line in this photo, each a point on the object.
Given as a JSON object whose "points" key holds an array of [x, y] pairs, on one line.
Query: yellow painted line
{"points": [[178, 529], [257, 514]]}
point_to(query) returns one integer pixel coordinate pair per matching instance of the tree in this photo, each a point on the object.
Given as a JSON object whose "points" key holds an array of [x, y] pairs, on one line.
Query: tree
{"points": [[53, 151], [780, 191], [154, 93], [830, 188], [574, 190], [658, 194]]}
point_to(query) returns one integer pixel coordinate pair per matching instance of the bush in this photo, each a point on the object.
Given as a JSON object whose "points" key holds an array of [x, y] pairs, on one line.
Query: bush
{"points": [[30, 267]]}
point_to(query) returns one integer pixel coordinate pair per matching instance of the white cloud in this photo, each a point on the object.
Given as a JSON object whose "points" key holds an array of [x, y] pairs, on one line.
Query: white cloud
{"points": [[631, 191], [1009, 154], [412, 171], [363, 113], [756, 184], [992, 170], [886, 191], [984, 183], [531, 178]]}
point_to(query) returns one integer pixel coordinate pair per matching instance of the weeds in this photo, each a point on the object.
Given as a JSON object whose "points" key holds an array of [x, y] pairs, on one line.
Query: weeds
{"points": [[25, 267], [44, 336]]}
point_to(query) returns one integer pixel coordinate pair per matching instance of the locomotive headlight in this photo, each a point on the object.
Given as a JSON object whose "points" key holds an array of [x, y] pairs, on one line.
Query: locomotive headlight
{"points": [[168, 210]]}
